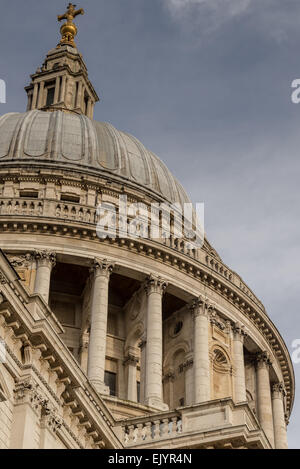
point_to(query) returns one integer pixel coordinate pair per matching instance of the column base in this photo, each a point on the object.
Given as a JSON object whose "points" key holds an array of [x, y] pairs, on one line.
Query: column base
{"points": [[156, 404], [100, 387]]}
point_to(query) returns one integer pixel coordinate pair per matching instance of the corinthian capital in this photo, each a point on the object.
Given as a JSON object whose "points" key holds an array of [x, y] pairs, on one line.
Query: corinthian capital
{"points": [[263, 359], [278, 390], [155, 284], [102, 267], [239, 331], [131, 359], [45, 258], [201, 306], [50, 420], [27, 391]]}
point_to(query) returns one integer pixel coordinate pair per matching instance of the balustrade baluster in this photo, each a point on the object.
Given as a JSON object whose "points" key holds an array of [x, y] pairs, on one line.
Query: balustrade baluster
{"points": [[148, 431], [156, 430], [165, 428], [174, 425], [125, 435], [130, 433], [139, 435]]}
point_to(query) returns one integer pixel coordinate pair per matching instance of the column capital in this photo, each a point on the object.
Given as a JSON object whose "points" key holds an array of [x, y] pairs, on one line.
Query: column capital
{"points": [[239, 332], [50, 420], [169, 375], [27, 391], [216, 320], [201, 306], [278, 390], [102, 267], [155, 284], [45, 258], [263, 359], [131, 359]]}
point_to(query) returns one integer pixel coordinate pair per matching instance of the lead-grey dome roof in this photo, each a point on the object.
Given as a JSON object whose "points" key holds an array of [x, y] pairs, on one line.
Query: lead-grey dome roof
{"points": [[72, 141]]}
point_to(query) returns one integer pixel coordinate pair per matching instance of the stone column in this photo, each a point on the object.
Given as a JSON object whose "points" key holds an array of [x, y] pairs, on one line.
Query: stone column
{"points": [[82, 102], [264, 403], [238, 352], [155, 288], [45, 261], [63, 89], [278, 394], [79, 95], [99, 309], [57, 90], [35, 96], [130, 364], [89, 108], [41, 95], [201, 312]]}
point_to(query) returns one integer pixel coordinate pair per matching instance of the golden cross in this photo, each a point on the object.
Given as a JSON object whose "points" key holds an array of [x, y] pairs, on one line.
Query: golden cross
{"points": [[71, 13], [69, 29]]}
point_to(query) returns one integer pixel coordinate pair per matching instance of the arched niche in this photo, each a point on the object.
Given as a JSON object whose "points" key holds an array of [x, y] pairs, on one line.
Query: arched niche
{"points": [[175, 375], [221, 373], [134, 352]]}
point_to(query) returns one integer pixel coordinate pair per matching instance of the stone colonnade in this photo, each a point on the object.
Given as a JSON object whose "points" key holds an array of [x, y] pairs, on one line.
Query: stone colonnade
{"points": [[270, 402]]}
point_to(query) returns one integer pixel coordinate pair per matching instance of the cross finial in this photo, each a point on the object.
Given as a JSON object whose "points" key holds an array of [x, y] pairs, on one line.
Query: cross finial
{"points": [[69, 30]]}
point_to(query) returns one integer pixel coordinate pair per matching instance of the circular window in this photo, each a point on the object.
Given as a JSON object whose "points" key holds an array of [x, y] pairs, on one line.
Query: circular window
{"points": [[178, 327]]}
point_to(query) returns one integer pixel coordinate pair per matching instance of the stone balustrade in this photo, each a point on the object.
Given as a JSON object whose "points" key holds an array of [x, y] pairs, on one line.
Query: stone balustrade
{"points": [[139, 431], [21, 207], [219, 267], [192, 426], [48, 208], [67, 211]]}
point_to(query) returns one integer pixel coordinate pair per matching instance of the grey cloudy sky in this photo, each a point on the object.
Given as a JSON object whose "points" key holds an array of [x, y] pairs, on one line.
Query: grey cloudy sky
{"points": [[206, 85]]}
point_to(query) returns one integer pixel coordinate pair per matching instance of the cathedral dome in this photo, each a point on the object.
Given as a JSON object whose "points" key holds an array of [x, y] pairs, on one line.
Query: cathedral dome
{"points": [[75, 142]]}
